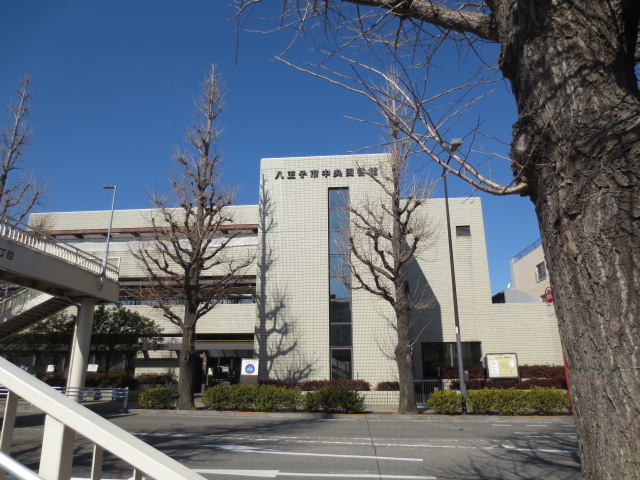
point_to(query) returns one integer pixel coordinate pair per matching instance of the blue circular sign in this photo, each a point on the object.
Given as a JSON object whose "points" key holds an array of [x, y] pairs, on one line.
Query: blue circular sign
{"points": [[250, 368]]}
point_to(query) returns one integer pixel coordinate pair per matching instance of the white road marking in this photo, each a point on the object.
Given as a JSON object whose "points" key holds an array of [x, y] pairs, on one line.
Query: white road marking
{"points": [[278, 473], [247, 449], [537, 425], [242, 473], [500, 425], [545, 450]]}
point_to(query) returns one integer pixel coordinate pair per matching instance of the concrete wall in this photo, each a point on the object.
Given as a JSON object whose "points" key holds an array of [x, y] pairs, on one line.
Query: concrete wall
{"points": [[523, 274]]}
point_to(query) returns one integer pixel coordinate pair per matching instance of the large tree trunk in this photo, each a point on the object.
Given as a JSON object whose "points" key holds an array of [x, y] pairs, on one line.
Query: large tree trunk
{"points": [[188, 359], [571, 69], [404, 356]]}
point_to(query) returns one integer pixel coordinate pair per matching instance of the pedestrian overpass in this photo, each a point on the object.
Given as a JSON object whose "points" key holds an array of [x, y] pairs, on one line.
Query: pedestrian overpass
{"points": [[53, 276]]}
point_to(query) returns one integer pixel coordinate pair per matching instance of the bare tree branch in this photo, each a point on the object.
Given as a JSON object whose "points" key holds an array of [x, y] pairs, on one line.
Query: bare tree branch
{"points": [[188, 261], [460, 20], [18, 196]]}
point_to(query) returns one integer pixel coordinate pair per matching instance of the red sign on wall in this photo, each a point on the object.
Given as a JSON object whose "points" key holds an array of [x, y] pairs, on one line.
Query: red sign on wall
{"points": [[548, 296]]}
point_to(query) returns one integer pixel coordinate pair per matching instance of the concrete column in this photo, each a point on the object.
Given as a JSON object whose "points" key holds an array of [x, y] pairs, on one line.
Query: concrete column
{"points": [[81, 344], [56, 457], [8, 424]]}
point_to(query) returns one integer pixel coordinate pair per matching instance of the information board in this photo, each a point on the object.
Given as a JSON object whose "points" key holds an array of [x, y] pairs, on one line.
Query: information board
{"points": [[502, 365]]}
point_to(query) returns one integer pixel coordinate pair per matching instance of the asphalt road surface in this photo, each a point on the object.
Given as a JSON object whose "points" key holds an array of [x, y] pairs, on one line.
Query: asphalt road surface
{"points": [[292, 446]]}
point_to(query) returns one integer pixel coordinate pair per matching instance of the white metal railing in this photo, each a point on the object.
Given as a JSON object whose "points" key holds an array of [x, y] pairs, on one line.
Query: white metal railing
{"points": [[83, 394], [21, 233], [20, 298], [65, 417]]}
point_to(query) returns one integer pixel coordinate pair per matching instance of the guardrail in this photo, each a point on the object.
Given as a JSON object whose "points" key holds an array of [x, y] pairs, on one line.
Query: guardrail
{"points": [[87, 394], [21, 233], [527, 250], [19, 298], [424, 388], [64, 418], [83, 394]]}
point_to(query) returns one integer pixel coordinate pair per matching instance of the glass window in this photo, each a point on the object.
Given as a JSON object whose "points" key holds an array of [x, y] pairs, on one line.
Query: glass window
{"points": [[338, 243], [541, 272], [339, 312], [463, 231], [341, 363], [338, 198], [338, 290], [338, 219], [338, 266], [439, 355], [340, 335]]}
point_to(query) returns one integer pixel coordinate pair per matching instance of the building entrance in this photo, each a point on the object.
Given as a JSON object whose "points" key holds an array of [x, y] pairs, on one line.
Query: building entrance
{"points": [[223, 366]]}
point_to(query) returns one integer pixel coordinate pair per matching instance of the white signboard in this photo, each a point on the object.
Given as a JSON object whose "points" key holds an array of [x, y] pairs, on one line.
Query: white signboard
{"points": [[250, 366], [502, 365], [93, 367], [51, 368]]}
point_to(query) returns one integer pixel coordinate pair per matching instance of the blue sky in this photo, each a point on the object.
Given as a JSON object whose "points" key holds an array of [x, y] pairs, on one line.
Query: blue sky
{"points": [[113, 83]]}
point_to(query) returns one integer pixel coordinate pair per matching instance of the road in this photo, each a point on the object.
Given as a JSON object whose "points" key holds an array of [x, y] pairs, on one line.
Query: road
{"points": [[249, 446]]}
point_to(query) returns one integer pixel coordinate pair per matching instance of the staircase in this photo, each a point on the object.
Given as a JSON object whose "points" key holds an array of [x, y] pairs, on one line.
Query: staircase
{"points": [[64, 418], [27, 307]]}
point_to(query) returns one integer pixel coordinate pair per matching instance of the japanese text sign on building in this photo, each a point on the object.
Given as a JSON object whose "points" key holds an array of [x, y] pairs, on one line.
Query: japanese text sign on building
{"points": [[327, 173], [502, 365]]}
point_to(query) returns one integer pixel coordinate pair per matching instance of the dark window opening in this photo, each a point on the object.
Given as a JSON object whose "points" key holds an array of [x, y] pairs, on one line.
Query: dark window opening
{"points": [[463, 231], [341, 363], [436, 356]]}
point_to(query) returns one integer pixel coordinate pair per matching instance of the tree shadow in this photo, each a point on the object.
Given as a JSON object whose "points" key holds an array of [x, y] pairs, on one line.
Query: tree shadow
{"points": [[426, 319], [276, 334]]}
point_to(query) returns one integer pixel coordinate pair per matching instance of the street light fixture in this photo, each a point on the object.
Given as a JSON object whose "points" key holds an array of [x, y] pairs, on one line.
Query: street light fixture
{"points": [[103, 272], [456, 143]]}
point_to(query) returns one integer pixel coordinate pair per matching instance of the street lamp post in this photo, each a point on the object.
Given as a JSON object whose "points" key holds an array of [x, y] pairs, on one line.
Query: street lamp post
{"points": [[456, 143], [103, 272]]}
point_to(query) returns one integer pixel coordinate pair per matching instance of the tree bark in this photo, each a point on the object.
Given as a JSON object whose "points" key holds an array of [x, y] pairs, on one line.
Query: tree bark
{"points": [[188, 359], [404, 355], [572, 71]]}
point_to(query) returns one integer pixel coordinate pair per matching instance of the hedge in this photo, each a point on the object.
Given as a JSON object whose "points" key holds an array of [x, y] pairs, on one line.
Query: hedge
{"points": [[159, 398], [251, 398], [388, 386], [446, 402], [312, 385], [505, 384], [537, 401], [113, 379], [335, 397], [164, 378]]}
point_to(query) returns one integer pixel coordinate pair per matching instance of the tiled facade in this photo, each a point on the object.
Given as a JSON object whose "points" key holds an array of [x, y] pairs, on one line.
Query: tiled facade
{"points": [[289, 321]]}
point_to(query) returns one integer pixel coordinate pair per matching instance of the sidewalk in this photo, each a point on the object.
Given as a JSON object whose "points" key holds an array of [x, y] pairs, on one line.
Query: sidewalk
{"points": [[116, 406]]}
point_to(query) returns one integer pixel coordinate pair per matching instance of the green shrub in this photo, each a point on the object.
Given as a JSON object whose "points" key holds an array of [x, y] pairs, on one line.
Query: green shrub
{"points": [[113, 379], [334, 398], [270, 398], [165, 378], [260, 398], [537, 401], [446, 402], [313, 385], [158, 398], [54, 379], [549, 401]]}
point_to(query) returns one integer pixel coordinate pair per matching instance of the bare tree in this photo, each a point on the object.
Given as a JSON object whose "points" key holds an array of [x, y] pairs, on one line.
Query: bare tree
{"points": [[19, 193], [388, 233], [574, 151], [189, 266]]}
